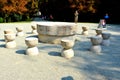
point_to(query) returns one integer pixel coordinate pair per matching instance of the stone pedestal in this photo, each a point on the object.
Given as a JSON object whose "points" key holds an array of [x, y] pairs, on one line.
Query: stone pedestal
{"points": [[34, 30], [10, 40], [96, 41], [53, 32], [96, 48], [11, 44], [67, 51], [106, 41], [19, 31], [32, 49], [84, 31]]}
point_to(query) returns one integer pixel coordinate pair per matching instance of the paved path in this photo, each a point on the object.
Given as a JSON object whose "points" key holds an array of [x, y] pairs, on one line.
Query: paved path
{"points": [[49, 65]]}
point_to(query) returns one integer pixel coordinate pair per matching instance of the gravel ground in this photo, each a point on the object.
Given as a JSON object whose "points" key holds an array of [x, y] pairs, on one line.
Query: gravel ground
{"points": [[49, 65]]}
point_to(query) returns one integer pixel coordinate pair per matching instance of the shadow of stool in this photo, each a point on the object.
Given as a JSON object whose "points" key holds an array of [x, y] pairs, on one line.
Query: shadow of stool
{"points": [[67, 78]]}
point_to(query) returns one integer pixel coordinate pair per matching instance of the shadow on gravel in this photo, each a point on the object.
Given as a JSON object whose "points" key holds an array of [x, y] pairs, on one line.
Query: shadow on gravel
{"points": [[35, 36], [2, 46], [2, 40], [114, 28], [52, 53], [105, 66], [67, 78], [28, 32], [21, 52], [82, 45]]}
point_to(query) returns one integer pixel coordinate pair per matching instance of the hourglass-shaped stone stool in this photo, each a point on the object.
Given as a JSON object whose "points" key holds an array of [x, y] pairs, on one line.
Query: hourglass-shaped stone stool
{"points": [[32, 43], [96, 41], [34, 30], [106, 40], [67, 51], [84, 31], [10, 40], [19, 31], [8, 31], [98, 32]]}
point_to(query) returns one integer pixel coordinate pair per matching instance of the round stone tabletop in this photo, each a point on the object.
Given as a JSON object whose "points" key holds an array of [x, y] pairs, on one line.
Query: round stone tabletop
{"points": [[53, 32], [56, 28]]}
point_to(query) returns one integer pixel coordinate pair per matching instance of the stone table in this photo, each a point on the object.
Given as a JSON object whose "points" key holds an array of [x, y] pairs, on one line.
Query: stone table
{"points": [[53, 32]]}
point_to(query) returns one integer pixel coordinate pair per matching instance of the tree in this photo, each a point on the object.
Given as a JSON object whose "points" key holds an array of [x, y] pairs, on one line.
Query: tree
{"points": [[32, 7], [84, 5], [87, 8], [17, 10], [63, 10], [12, 7]]}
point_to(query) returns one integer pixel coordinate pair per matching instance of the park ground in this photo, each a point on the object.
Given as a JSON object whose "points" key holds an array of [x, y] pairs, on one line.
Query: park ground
{"points": [[49, 65]]}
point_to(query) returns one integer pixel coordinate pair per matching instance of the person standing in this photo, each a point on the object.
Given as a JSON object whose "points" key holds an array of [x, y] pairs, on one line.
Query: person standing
{"points": [[106, 17], [76, 16], [102, 23]]}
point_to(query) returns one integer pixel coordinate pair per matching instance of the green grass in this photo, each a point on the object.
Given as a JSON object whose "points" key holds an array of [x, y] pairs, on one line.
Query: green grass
{"points": [[18, 22]]}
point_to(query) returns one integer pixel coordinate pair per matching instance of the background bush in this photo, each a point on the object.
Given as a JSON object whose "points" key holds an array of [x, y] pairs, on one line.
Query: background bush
{"points": [[1, 20]]}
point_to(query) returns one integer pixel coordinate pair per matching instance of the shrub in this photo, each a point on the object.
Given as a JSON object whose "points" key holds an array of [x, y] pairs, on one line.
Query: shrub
{"points": [[1, 20]]}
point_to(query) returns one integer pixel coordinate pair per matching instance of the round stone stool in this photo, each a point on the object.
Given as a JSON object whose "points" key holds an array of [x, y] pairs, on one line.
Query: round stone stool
{"points": [[19, 31], [84, 28], [8, 31], [10, 40], [69, 53], [85, 31], [96, 41], [106, 35], [106, 40], [11, 44], [9, 37], [98, 32], [34, 29], [32, 43], [67, 45], [96, 48]]}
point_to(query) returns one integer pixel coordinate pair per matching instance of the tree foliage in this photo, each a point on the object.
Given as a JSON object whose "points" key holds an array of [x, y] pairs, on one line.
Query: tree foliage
{"points": [[32, 6], [13, 6], [64, 10], [84, 5], [80, 5], [13, 10], [17, 10]]}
